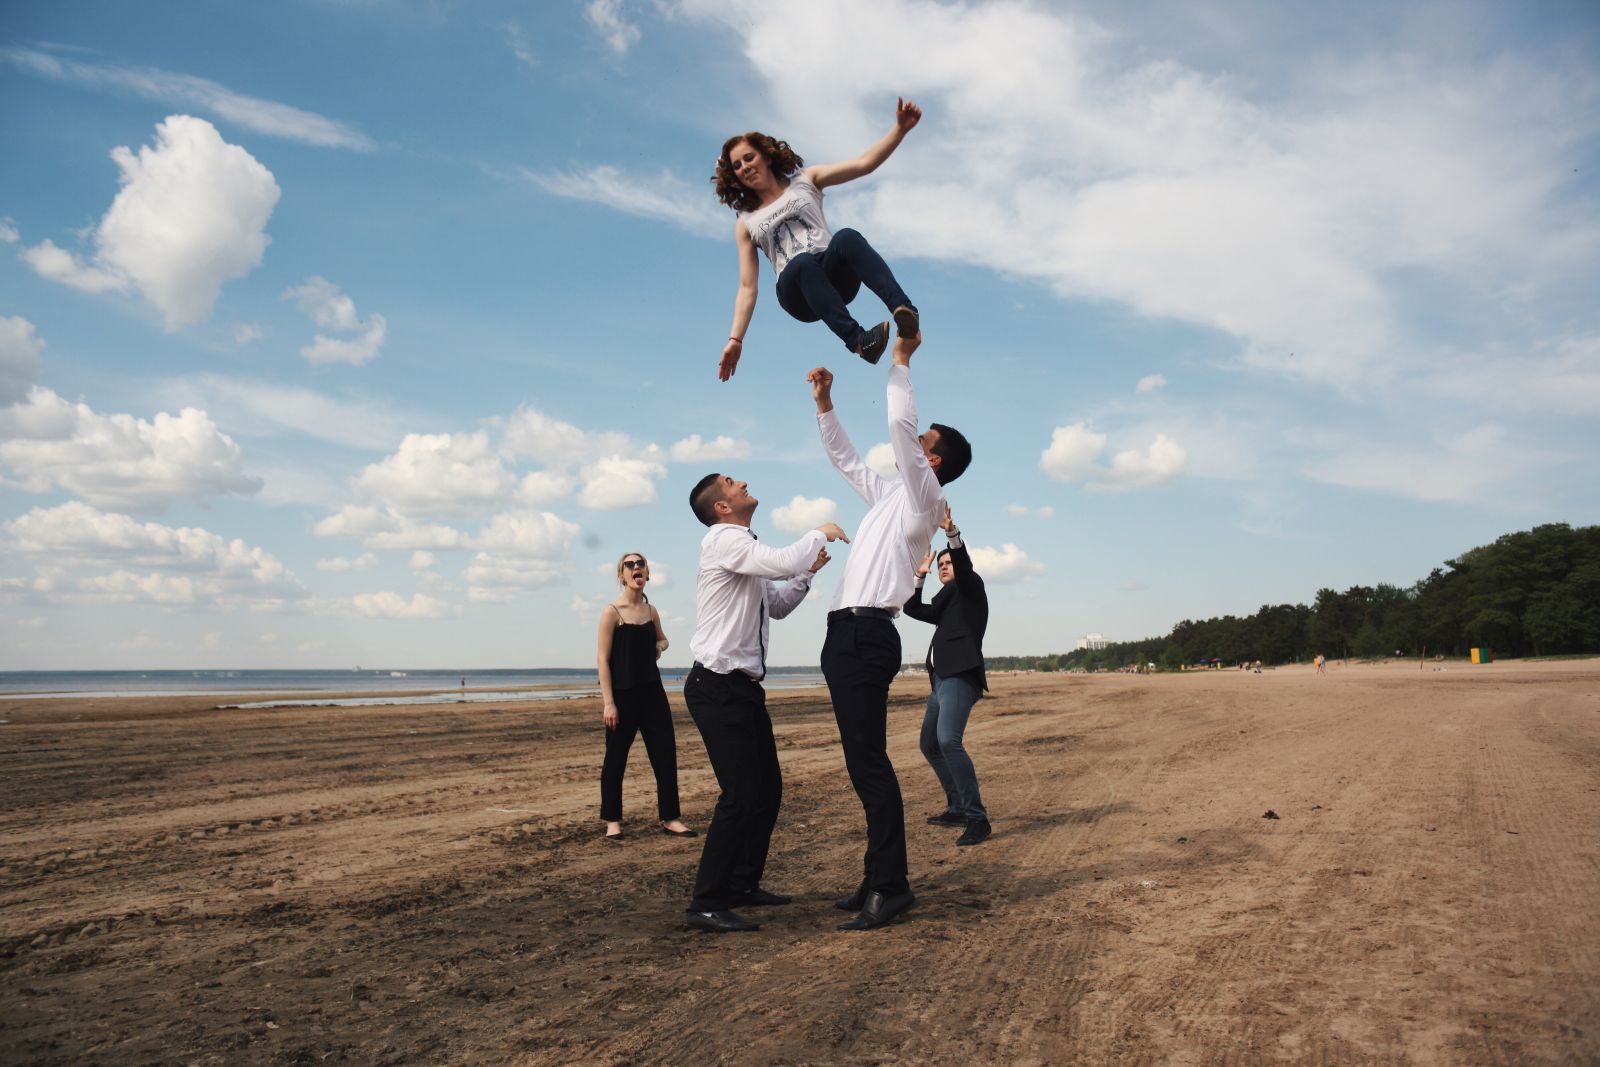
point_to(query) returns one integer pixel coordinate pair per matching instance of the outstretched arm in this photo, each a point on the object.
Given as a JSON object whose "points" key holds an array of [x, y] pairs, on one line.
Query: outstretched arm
{"points": [[846, 460], [922, 487], [964, 576], [914, 607], [744, 302], [906, 115]]}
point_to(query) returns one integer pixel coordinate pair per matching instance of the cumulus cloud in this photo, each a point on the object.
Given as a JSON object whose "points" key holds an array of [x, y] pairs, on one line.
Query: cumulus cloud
{"points": [[340, 564], [535, 534], [186, 91], [246, 333], [801, 514], [252, 406], [192, 213], [438, 474], [543, 487], [421, 561], [1074, 449], [185, 564], [332, 310], [1482, 465], [1072, 452], [606, 17], [118, 461], [613, 470], [391, 605], [500, 579], [616, 482], [880, 457], [1005, 564], [19, 359], [693, 450], [1150, 383]]}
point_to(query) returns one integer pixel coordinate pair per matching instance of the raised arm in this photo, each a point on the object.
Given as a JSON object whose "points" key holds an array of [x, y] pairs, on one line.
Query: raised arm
{"points": [[922, 487], [841, 453], [906, 115], [743, 554], [915, 607], [962, 573], [744, 301]]}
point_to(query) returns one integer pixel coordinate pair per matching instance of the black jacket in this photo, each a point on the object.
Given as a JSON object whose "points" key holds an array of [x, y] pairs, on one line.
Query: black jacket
{"points": [[960, 615]]}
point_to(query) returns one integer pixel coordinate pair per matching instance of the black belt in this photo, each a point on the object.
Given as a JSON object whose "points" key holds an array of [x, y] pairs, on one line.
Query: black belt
{"points": [[865, 613]]}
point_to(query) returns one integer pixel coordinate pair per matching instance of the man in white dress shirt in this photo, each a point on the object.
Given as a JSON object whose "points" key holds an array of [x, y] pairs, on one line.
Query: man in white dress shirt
{"points": [[741, 585], [862, 652]]}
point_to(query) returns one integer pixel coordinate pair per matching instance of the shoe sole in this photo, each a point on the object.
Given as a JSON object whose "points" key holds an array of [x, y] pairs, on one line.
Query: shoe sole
{"points": [[906, 322]]}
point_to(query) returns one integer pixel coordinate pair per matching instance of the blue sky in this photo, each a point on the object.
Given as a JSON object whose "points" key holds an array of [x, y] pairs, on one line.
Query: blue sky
{"points": [[348, 332]]}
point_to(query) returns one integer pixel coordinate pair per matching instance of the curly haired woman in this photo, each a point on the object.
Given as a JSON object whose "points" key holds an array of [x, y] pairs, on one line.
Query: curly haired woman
{"points": [[779, 204]]}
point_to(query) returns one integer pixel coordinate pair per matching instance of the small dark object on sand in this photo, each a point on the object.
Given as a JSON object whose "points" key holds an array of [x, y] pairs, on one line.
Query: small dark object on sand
{"points": [[1270, 814]]}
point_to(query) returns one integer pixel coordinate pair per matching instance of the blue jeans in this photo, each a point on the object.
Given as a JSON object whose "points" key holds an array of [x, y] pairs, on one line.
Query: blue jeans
{"points": [[819, 285], [945, 721]]}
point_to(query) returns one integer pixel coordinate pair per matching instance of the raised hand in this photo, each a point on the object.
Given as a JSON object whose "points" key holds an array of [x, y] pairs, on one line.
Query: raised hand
{"points": [[927, 563], [730, 359], [947, 523], [906, 114], [822, 560], [821, 379]]}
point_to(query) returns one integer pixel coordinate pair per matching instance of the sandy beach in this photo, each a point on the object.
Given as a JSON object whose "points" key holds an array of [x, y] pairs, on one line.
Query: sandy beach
{"points": [[185, 885]]}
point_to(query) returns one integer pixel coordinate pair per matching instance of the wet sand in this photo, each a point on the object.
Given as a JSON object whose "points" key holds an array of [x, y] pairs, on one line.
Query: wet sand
{"points": [[427, 884]]}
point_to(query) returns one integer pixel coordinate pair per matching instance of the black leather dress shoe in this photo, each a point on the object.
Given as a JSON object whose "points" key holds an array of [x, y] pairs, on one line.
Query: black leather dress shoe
{"points": [[855, 901], [760, 898], [685, 832], [977, 830], [947, 818], [719, 922], [878, 910]]}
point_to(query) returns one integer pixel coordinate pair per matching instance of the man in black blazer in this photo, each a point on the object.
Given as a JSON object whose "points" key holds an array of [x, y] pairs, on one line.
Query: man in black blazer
{"points": [[960, 615]]}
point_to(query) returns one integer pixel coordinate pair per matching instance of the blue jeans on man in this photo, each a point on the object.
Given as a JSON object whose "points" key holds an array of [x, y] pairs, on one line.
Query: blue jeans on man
{"points": [[943, 724]]}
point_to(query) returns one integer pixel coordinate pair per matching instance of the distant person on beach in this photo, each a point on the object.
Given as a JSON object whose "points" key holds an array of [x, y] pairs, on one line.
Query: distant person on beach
{"points": [[779, 205], [1322, 664], [960, 615], [634, 700], [740, 586], [861, 654]]}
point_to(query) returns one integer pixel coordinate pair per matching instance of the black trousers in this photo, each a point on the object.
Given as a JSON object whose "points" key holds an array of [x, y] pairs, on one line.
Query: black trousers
{"points": [[641, 710], [859, 660], [730, 711]]}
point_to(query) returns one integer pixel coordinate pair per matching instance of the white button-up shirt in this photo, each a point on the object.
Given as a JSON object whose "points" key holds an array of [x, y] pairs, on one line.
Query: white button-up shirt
{"points": [[736, 595], [895, 535]]}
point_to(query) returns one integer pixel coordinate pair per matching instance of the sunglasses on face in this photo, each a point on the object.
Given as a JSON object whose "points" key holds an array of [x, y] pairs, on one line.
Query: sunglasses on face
{"points": [[634, 564]]}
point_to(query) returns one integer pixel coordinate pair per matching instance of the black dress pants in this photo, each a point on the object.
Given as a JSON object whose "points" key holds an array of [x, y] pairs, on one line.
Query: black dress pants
{"points": [[860, 658], [730, 711], [641, 710]]}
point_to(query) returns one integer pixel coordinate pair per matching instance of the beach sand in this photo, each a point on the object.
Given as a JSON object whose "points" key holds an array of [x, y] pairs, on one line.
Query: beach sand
{"points": [[428, 884]]}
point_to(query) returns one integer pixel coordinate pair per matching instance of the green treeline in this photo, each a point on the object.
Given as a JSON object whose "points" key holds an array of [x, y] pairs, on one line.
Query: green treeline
{"points": [[1535, 593]]}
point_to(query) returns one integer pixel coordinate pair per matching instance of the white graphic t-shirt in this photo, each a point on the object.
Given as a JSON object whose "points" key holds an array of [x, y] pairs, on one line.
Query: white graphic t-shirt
{"points": [[791, 224]]}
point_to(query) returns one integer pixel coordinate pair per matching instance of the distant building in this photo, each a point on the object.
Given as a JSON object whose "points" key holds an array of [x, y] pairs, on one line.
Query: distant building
{"points": [[1093, 642]]}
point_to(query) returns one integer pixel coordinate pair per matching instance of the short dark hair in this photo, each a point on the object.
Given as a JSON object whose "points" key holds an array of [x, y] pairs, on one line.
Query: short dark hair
{"points": [[954, 453], [704, 496], [943, 552]]}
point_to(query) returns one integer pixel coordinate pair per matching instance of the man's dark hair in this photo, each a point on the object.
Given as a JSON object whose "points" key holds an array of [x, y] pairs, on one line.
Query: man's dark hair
{"points": [[955, 455], [704, 496], [943, 552]]}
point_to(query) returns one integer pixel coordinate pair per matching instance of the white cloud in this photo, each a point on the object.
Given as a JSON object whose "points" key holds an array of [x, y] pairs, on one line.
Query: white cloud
{"points": [[1150, 383], [660, 196], [332, 310], [1005, 564], [543, 487], [1074, 449], [192, 213], [801, 514], [1484, 465], [118, 461], [517, 41], [421, 561], [256, 407], [1561, 376], [1291, 221], [390, 605], [693, 450], [246, 333], [183, 90], [559, 444], [340, 564], [19, 359], [383, 528], [499, 579], [1046, 512], [880, 457], [606, 17], [616, 482], [8, 231], [438, 474], [1016, 509], [189, 564], [1164, 461], [535, 534], [1072, 452]]}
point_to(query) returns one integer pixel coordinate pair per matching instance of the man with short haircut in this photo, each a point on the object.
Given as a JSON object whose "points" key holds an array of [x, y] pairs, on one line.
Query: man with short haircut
{"points": [[861, 654], [741, 584]]}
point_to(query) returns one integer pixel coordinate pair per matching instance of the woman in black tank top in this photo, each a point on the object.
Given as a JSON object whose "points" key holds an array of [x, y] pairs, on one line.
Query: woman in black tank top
{"points": [[634, 700]]}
